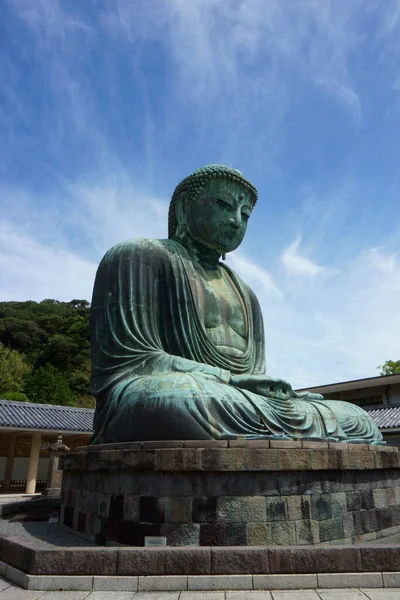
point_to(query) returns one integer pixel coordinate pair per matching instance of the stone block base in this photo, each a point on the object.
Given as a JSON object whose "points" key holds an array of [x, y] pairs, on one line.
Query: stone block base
{"points": [[52, 492], [152, 569], [236, 493]]}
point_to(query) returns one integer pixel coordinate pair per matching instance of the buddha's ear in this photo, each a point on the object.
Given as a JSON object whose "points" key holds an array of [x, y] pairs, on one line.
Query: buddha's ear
{"points": [[181, 204], [180, 217]]}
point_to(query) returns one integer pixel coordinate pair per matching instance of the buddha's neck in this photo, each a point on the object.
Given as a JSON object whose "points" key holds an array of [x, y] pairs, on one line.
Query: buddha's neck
{"points": [[205, 256]]}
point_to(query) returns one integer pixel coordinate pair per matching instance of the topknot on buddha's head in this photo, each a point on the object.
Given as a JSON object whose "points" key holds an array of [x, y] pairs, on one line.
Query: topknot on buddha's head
{"points": [[195, 183]]}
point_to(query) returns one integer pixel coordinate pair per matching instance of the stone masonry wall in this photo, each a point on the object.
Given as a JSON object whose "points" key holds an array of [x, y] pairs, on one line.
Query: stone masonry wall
{"points": [[225, 496]]}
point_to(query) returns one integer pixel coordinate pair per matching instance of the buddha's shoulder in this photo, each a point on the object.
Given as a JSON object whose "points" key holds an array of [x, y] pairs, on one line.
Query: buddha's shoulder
{"points": [[141, 249]]}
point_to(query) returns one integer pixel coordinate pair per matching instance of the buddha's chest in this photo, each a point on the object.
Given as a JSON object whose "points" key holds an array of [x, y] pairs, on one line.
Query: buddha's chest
{"points": [[220, 307]]}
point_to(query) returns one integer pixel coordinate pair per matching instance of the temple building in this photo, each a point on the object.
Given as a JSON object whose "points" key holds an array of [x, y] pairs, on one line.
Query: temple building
{"points": [[27, 429]]}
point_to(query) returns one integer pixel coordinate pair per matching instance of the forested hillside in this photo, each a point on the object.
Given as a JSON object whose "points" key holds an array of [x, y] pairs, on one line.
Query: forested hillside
{"points": [[45, 352]]}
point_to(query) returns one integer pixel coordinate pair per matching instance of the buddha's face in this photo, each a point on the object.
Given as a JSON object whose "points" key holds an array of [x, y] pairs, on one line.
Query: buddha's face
{"points": [[218, 219]]}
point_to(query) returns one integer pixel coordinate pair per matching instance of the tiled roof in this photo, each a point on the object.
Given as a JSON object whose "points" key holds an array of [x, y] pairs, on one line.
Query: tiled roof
{"points": [[355, 384], [27, 415], [386, 417]]}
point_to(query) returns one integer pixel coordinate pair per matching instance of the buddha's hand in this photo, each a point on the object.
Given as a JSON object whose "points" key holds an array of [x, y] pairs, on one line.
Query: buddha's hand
{"points": [[263, 386], [308, 396]]}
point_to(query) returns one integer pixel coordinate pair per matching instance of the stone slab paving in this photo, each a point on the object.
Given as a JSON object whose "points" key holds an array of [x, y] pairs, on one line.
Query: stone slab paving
{"points": [[300, 595], [334, 581], [261, 595], [111, 596], [156, 596], [13, 592], [202, 596], [43, 533], [382, 594], [338, 594], [9, 591], [285, 582], [64, 595], [50, 535], [169, 583], [7, 498]]}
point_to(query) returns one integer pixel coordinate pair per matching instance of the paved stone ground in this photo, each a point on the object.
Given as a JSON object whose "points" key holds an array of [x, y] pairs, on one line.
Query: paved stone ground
{"points": [[7, 498], [49, 535], [390, 539], [12, 592], [43, 533]]}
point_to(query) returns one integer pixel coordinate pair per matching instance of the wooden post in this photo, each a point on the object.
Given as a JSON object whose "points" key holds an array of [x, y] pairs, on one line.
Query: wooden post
{"points": [[33, 463], [12, 442]]}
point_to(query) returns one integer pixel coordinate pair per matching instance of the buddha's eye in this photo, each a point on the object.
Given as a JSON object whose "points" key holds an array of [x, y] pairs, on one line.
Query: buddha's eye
{"points": [[245, 216], [223, 203]]}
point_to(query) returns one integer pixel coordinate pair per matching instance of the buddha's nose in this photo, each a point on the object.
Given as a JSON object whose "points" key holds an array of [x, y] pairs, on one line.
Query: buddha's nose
{"points": [[234, 222]]}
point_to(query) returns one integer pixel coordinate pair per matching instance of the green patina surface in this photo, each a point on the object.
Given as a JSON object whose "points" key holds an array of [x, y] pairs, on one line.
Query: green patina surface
{"points": [[178, 340]]}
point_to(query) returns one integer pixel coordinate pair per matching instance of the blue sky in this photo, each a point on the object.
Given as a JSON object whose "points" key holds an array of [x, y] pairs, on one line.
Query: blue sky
{"points": [[106, 105]]}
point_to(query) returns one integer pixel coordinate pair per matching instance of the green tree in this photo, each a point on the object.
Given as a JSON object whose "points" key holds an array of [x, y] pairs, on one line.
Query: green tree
{"points": [[15, 396], [78, 329], [48, 385], [390, 367], [55, 333], [79, 303], [86, 401], [59, 351], [22, 334], [13, 369]]}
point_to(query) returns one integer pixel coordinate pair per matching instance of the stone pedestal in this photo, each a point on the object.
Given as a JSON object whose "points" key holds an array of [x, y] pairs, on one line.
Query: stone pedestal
{"points": [[232, 493], [54, 473]]}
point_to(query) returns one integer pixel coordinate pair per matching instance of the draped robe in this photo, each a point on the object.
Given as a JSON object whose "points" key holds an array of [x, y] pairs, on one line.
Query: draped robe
{"points": [[156, 375]]}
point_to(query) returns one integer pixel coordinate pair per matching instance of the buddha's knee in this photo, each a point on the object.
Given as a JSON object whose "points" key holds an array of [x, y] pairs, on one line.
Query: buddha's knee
{"points": [[346, 410], [173, 386]]}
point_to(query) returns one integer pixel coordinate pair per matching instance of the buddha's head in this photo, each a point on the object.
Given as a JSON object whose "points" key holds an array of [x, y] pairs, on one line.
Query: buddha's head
{"points": [[212, 206]]}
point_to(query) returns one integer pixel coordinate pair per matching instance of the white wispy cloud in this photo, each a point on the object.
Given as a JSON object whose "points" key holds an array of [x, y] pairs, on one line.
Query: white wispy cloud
{"points": [[53, 253], [254, 275], [107, 214], [339, 328], [387, 264], [215, 45], [31, 270], [297, 264], [344, 94], [230, 62], [102, 211], [244, 51]]}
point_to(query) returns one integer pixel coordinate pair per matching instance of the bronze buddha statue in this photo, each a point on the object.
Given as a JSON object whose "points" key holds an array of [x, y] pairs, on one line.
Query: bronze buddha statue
{"points": [[178, 339]]}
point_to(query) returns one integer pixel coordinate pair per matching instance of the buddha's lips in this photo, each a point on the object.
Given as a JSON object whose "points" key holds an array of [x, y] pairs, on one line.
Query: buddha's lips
{"points": [[230, 233]]}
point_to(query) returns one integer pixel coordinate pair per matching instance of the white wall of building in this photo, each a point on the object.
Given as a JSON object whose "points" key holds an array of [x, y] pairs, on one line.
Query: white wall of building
{"points": [[394, 394], [20, 468]]}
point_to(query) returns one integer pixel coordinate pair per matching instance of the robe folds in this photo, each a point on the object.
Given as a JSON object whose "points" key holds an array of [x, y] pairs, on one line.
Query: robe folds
{"points": [[156, 375]]}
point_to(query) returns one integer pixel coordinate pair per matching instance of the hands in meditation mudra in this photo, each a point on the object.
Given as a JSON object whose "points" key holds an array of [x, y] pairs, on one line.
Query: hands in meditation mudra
{"points": [[178, 340]]}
